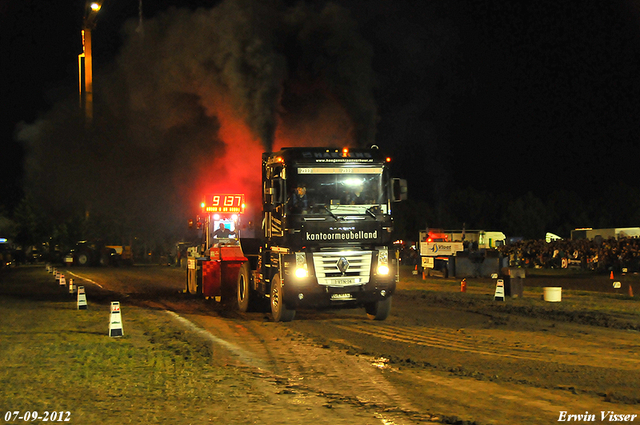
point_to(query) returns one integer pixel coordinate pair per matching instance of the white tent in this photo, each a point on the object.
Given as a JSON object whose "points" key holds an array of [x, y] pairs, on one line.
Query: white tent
{"points": [[552, 237]]}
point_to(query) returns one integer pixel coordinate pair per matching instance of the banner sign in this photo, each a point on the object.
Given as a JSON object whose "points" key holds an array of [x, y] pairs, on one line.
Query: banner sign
{"points": [[433, 249]]}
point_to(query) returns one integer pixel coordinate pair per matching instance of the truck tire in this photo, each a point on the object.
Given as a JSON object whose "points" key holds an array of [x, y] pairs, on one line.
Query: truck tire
{"points": [[83, 259], [378, 310], [245, 301], [279, 311], [192, 282]]}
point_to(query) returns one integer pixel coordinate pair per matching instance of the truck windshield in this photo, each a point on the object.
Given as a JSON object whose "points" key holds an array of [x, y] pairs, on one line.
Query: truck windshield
{"points": [[337, 190]]}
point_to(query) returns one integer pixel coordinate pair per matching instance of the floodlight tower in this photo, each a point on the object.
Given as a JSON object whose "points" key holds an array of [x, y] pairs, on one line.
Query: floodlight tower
{"points": [[88, 24]]}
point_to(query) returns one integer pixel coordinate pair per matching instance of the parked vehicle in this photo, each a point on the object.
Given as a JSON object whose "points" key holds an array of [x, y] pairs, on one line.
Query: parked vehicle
{"points": [[87, 253]]}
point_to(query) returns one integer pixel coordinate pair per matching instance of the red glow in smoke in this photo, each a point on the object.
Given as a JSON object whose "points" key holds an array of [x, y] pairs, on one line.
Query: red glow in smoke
{"points": [[235, 165]]}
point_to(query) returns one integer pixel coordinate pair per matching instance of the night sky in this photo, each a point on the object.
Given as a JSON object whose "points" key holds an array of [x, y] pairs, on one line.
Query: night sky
{"points": [[499, 96]]}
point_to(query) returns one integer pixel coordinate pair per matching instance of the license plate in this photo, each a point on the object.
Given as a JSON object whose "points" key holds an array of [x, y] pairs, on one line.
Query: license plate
{"points": [[341, 296], [343, 282]]}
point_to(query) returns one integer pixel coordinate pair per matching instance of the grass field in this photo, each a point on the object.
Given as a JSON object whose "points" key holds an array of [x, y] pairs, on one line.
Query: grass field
{"points": [[57, 358]]}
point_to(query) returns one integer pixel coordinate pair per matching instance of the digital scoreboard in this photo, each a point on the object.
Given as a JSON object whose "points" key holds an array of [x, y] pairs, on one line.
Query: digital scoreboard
{"points": [[224, 203]]}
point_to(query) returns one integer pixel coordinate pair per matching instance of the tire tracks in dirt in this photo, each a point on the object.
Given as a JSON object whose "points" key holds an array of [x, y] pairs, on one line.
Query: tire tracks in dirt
{"points": [[529, 347], [289, 359]]}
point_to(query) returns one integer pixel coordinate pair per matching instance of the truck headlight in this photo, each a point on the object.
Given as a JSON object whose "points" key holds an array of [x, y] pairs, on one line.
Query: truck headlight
{"points": [[383, 261], [301, 265]]}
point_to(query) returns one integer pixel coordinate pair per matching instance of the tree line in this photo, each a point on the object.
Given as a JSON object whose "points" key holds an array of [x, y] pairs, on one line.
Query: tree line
{"points": [[525, 215]]}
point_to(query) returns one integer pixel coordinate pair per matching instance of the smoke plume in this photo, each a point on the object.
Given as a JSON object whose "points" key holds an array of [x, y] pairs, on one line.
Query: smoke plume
{"points": [[190, 104]]}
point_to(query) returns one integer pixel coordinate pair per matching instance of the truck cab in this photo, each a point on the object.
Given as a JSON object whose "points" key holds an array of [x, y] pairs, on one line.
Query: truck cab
{"points": [[327, 223]]}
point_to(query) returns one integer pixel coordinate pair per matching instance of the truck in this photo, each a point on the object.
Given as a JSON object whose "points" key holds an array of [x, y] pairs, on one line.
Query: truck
{"points": [[326, 237], [458, 253], [481, 239], [97, 253], [436, 250]]}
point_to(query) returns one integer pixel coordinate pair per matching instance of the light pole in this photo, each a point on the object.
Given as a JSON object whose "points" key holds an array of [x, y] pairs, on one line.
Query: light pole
{"points": [[88, 24]]}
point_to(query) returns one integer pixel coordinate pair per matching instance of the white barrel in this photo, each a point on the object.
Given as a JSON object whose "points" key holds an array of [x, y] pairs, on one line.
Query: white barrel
{"points": [[552, 293]]}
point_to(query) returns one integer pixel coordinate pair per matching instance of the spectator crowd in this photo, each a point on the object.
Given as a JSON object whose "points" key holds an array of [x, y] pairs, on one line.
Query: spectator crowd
{"points": [[600, 255]]}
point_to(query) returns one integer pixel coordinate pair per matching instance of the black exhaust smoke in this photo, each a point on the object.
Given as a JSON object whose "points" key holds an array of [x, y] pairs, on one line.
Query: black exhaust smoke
{"points": [[160, 108]]}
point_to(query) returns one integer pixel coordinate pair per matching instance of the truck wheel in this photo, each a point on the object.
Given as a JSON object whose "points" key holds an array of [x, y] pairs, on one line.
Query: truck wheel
{"points": [[83, 259], [378, 310], [244, 289], [192, 283], [279, 311]]}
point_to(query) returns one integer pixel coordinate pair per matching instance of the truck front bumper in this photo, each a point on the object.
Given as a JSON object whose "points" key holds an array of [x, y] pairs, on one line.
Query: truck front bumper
{"points": [[308, 293]]}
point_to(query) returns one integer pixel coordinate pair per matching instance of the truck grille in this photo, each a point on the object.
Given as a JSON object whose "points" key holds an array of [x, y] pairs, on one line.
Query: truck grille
{"points": [[344, 268]]}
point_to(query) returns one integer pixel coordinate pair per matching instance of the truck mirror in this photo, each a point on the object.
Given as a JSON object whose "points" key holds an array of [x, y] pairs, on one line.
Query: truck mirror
{"points": [[399, 189], [280, 192], [273, 192], [276, 192], [267, 193]]}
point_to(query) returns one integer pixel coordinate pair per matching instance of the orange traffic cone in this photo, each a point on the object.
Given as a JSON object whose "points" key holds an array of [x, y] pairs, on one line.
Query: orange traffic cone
{"points": [[611, 276], [630, 291]]}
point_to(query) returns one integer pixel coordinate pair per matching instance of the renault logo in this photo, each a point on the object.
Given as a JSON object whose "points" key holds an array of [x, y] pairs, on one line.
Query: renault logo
{"points": [[342, 264]]}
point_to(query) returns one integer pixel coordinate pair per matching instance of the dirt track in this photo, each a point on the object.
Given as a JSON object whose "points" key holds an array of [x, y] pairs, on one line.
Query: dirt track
{"points": [[441, 355]]}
